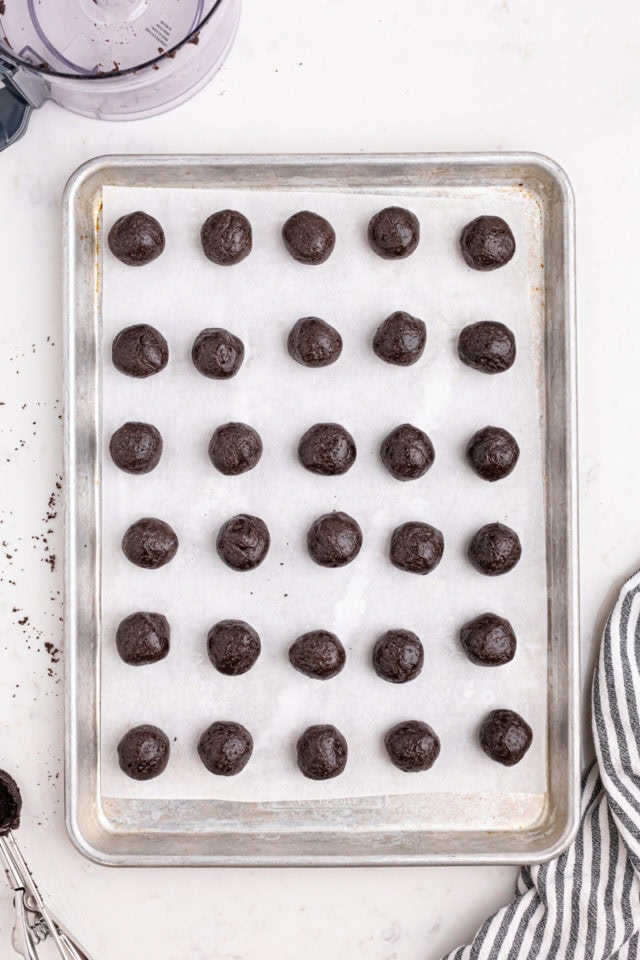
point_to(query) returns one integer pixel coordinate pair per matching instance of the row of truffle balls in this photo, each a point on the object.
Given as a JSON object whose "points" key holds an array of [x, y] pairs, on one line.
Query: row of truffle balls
{"points": [[137, 238], [333, 540], [234, 646], [225, 747], [141, 351], [326, 449]]}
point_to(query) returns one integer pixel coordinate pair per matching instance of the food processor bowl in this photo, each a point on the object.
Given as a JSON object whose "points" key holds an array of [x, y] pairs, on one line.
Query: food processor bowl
{"points": [[109, 59]]}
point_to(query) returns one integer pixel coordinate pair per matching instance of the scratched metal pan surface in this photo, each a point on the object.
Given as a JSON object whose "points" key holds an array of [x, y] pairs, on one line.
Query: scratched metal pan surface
{"points": [[391, 830]]}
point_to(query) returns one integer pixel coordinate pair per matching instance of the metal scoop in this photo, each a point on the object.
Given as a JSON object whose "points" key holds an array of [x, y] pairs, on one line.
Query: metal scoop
{"points": [[34, 923]]}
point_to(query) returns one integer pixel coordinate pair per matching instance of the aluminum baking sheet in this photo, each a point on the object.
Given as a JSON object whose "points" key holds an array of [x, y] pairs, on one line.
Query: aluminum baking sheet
{"points": [[465, 795]]}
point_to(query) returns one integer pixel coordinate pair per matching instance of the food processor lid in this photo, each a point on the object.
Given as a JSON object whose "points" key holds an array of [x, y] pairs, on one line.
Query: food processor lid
{"points": [[97, 38]]}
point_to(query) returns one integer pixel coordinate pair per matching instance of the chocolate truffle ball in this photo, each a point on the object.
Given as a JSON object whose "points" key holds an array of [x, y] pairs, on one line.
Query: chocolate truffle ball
{"points": [[327, 449], [225, 748], [394, 233], [400, 339], [136, 239], [314, 343], [143, 752], [150, 543], [495, 549], [407, 452], [416, 547], [334, 539], [217, 354], [487, 243], [10, 803], [233, 647], [318, 654], [143, 638], [412, 746], [488, 640], [136, 447], [235, 448], [243, 542], [140, 351], [493, 453], [487, 346], [308, 237], [505, 736], [226, 238], [322, 752], [398, 656]]}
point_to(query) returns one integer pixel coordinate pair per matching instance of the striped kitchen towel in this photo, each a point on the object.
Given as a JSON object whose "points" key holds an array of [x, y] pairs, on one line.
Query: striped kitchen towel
{"points": [[586, 904]]}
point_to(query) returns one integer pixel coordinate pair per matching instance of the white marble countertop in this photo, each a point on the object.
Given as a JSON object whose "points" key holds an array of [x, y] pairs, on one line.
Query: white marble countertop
{"points": [[362, 75]]}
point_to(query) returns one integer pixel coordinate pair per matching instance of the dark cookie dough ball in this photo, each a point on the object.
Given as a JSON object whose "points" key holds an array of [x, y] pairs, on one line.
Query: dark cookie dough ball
{"points": [[327, 449], [488, 640], [322, 752], [225, 748], [217, 354], [143, 638], [487, 243], [407, 452], [493, 453], [400, 339], [398, 656], [487, 346], [10, 803], [235, 448], [308, 237], [226, 237], [233, 647], [140, 351], [495, 549], [416, 547], [394, 233], [318, 654], [136, 447], [334, 539], [243, 542], [314, 342], [150, 543], [143, 752], [136, 239], [505, 736], [412, 746]]}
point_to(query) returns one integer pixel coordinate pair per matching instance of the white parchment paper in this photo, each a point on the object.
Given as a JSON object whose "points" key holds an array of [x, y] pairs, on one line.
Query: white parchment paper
{"points": [[259, 300]]}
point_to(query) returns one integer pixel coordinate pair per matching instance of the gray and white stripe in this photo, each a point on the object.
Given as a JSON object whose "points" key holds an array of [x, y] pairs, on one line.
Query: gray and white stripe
{"points": [[586, 904]]}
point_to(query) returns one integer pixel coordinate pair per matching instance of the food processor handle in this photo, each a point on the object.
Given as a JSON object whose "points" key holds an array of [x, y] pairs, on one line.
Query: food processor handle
{"points": [[14, 116], [22, 92]]}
